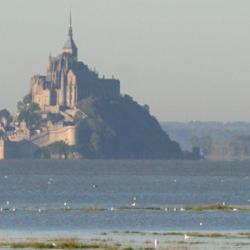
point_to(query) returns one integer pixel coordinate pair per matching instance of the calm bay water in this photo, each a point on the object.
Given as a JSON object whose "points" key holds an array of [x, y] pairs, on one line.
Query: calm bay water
{"points": [[29, 186]]}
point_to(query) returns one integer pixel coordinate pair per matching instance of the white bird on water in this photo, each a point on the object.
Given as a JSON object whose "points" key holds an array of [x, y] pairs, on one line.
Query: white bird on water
{"points": [[156, 243], [186, 237], [133, 204]]}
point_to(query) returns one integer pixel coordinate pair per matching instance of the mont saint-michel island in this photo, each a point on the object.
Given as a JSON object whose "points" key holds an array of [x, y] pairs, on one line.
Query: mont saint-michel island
{"points": [[125, 126], [73, 113]]}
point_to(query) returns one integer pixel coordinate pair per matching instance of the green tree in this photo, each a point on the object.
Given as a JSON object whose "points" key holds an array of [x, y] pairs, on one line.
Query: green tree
{"points": [[29, 112]]}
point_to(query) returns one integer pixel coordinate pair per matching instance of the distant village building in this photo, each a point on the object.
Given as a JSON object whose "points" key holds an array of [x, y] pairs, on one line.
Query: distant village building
{"points": [[69, 80]]}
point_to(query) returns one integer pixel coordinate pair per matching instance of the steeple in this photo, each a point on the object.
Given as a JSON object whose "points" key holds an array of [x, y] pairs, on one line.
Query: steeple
{"points": [[70, 46], [70, 26]]}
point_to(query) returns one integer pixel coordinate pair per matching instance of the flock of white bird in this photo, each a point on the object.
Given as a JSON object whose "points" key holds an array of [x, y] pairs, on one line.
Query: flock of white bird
{"points": [[133, 204]]}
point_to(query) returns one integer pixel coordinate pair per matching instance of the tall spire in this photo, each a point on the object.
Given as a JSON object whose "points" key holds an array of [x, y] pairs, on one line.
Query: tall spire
{"points": [[70, 25], [70, 46], [70, 18]]}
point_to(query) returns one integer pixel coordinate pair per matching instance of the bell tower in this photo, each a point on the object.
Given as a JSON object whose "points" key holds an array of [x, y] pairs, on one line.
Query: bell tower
{"points": [[70, 46]]}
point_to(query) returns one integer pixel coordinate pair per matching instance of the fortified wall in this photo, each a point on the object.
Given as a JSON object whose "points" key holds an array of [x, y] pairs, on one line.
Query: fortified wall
{"points": [[1, 149], [17, 150], [67, 134], [27, 148]]}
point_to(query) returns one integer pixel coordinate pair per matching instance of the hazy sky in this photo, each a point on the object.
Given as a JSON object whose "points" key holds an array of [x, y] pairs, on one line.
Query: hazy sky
{"points": [[186, 59]]}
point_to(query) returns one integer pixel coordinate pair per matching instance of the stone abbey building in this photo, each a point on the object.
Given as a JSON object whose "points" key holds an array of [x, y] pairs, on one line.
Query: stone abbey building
{"points": [[66, 82], [69, 80]]}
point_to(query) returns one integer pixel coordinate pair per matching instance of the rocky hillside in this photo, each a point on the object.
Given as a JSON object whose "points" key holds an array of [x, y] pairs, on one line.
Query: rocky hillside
{"points": [[122, 128]]}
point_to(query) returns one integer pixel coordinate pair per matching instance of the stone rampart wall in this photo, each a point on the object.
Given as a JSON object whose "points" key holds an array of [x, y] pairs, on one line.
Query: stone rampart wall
{"points": [[66, 134], [1, 149]]}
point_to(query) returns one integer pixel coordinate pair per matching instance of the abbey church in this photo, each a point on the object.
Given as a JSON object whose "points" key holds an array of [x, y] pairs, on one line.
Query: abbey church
{"points": [[69, 80]]}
